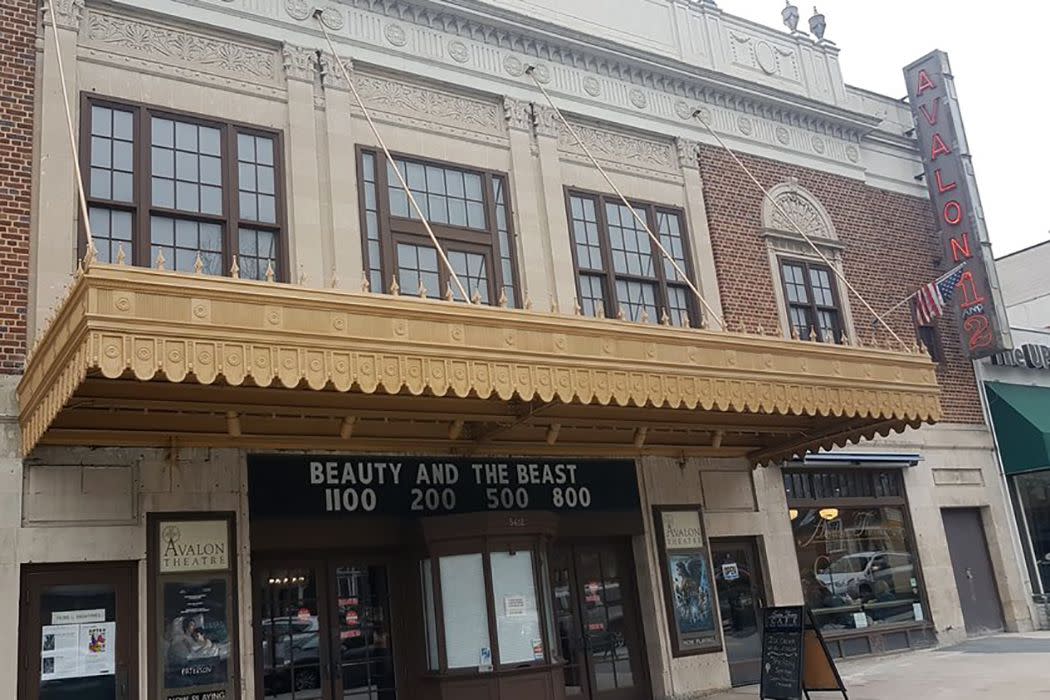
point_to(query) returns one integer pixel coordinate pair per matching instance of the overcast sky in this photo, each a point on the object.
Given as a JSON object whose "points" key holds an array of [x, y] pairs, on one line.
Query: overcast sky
{"points": [[1000, 52]]}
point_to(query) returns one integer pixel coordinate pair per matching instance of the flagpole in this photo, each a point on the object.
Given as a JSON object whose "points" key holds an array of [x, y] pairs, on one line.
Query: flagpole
{"points": [[911, 296]]}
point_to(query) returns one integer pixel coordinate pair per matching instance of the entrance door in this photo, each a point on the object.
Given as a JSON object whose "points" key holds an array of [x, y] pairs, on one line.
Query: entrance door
{"points": [[324, 631], [79, 632], [972, 565], [741, 596], [596, 608]]}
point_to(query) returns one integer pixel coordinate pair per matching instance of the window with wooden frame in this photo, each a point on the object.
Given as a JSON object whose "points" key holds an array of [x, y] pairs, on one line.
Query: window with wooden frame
{"points": [[931, 340], [812, 300], [160, 183], [469, 212], [489, 597], [619, 267]]}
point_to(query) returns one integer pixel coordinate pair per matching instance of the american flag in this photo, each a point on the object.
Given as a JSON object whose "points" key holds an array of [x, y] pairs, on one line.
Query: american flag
{"points": [[931, 298]]}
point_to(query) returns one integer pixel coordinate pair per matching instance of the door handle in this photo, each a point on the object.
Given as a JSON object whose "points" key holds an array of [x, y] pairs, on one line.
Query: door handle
{"points": [[122, 682]]}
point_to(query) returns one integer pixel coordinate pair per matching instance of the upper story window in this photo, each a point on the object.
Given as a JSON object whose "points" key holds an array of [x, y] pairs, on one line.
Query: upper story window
{"points": [[812, 300], [164, 184], [469, 212], [618, 265]]}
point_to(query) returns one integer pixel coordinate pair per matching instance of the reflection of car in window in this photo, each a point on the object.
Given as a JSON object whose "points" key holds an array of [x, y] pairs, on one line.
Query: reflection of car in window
{"points": [[856, 575]]}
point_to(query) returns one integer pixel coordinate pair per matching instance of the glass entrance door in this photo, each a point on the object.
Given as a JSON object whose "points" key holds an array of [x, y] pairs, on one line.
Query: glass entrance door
{"points": [[324, 631], [79, 632], [738, 579], [596, 614]]}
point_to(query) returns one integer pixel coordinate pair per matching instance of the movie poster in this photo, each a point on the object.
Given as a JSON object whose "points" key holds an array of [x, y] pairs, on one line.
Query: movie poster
{"points": [[689, 587], [693, 599], [196, 646]]}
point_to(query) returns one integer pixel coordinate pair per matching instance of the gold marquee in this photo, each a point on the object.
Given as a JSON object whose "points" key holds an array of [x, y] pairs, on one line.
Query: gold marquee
{"points": [[141, 357]]}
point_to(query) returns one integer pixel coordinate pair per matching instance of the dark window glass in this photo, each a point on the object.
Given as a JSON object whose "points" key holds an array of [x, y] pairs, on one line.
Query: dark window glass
{"points": [[931, 340], [812, 300], [469, 212], [208, 190], [857, 565], [621, 269]]}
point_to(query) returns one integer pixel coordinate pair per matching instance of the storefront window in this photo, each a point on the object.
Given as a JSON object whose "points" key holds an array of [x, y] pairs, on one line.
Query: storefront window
{"points": [[855, 554], [1034, 492], [466, 614], [517, 615]]}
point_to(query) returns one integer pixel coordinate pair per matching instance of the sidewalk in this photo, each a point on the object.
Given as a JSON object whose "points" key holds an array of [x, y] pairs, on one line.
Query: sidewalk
{"points": [[1007, 666]]}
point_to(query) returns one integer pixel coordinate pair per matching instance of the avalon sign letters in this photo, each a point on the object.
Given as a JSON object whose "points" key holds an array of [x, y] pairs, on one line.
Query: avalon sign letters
{"points": [[281, 486], [193, 545], [957, 205]]}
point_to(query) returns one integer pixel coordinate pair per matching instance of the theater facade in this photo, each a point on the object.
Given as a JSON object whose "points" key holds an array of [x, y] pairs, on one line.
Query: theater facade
{"points": [[267, 447]]}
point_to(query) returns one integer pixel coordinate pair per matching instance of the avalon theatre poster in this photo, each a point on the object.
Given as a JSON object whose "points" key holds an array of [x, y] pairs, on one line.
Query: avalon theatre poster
{"points": [[977, 301], [688, 584]]}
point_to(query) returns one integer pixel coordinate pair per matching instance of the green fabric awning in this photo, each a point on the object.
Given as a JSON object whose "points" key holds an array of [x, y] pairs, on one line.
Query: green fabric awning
{"points": [[1021, 415]]}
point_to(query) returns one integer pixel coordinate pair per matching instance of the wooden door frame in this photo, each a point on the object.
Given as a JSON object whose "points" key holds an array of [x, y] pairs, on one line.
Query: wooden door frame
{"points": [[63, 574]]}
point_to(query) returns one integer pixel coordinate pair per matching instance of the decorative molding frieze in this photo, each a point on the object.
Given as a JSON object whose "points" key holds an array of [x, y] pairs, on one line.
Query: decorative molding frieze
{"points": [[178, 49], [688, 154], [447, 112], [547, 122], [299, 63], [332, 75], [518, 114], [68, 14], [629, 152]]}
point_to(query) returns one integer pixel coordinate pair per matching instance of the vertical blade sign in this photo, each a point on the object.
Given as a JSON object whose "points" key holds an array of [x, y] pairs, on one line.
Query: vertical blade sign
{"points": [[956, 205]]}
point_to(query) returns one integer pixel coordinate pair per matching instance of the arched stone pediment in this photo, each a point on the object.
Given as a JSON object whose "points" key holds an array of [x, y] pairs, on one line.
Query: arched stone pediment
{"points": [[800, 207]]}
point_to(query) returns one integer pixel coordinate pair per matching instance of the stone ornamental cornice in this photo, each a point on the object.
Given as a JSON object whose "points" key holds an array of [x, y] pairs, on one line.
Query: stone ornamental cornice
{"points": [[545, 46], [68, 13], [163, 329]]}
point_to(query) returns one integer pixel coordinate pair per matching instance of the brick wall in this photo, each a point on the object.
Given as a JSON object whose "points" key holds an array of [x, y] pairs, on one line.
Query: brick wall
{"points": [[891, 248], [17, 58]]}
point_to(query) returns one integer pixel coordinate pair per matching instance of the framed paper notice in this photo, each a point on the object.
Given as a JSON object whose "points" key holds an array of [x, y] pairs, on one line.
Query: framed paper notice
{"points": [[689, 590]]}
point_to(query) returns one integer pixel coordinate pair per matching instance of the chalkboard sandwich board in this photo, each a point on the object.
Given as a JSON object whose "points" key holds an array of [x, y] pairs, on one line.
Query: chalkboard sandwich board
{"points": [[795, 659], [782, 630]]}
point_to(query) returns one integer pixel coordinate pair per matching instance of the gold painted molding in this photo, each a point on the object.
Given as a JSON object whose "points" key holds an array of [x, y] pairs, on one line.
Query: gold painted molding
{"points": [[124, 322]]}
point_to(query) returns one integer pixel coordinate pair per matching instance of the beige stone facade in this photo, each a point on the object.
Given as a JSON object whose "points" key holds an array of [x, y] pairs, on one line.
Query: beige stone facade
{"points": [[454, 91]]}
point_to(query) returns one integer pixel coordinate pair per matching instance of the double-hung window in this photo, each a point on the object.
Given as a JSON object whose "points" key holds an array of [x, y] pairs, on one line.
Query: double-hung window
{"points": [[812, 300], [469, 213], [618, 265], [163, 186]]}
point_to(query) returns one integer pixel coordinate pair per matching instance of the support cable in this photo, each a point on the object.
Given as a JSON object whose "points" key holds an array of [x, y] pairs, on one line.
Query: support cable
{"points": [[390, 159], [531, 71], [81, 195], [798, 229]]}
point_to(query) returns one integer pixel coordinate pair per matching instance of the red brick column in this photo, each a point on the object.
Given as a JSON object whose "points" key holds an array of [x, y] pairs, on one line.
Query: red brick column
{"points": [[18, 21]]}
